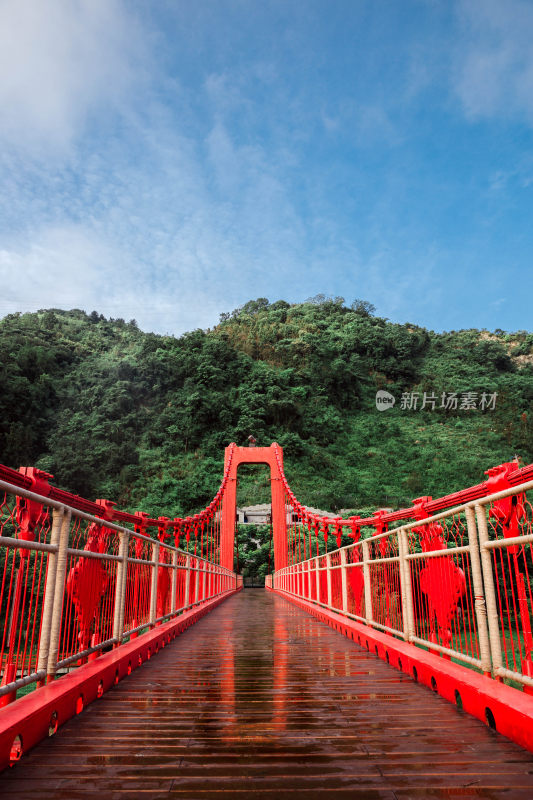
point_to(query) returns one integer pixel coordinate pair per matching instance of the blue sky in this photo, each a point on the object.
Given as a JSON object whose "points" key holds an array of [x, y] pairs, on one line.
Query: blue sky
{"points": [[168, 161]]}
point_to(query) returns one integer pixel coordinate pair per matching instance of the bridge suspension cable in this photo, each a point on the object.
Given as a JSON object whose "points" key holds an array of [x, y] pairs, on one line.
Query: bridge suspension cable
{"points": [[320, 526]]}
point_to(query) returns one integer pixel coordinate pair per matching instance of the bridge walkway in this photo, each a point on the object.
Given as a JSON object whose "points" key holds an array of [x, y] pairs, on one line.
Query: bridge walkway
{"points": [[260, 700]]}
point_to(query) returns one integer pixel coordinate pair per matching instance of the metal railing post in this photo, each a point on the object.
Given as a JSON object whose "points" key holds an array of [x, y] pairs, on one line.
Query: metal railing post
{"points": [[490, 592], [479, 593], [120, 587], [344, 582], [153, 588], [48, 603], [197, 580], [406, 586], [207, 580], [57, 609], [366, 576], [174, 584], [317, 579], [187, 582], [328, 578]]}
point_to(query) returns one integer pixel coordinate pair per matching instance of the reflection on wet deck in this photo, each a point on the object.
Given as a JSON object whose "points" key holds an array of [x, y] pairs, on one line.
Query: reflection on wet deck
{"points": [[260, 699]]}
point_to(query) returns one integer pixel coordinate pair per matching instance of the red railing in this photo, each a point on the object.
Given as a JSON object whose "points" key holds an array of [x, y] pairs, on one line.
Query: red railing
{"points": [[203, 528], [74, 583], [457, 583]]}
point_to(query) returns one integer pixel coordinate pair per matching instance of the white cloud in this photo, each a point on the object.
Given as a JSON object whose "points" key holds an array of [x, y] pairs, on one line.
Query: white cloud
{"points": [[61, 60], [144, 219], [58, 268], [170, 201], [494, 58], [171, 240], [75, 267]]}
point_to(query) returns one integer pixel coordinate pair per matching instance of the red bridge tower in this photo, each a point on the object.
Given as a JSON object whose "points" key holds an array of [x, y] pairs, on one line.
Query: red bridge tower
{"points": [[254, 455]]}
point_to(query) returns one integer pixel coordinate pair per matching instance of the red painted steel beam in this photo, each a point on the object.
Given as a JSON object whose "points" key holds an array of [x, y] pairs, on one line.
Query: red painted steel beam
{"points": [[15, 477]]}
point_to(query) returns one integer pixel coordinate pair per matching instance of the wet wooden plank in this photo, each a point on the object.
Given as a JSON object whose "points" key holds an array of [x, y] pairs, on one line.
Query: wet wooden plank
{"points": [[261, 700]]}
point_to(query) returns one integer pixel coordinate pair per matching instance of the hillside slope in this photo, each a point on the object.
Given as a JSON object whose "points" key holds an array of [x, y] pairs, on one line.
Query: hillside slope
{"points": [[143, 419]]}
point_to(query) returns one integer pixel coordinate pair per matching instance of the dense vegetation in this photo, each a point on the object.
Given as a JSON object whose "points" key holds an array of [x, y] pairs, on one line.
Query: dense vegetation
{"points": [[143, 419]]}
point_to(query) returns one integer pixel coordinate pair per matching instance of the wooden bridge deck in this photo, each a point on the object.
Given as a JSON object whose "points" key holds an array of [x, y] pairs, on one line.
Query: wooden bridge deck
{"points": [[261, 700]]}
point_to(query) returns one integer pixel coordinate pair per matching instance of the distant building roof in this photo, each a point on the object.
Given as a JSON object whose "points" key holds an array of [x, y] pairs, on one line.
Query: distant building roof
{"points": [[264, 508], [321, 513]]}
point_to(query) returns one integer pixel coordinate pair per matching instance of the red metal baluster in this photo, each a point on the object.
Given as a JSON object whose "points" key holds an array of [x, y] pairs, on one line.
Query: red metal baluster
{"points": [[443, 583], [383, 544], [338, 531], [85, 586], [29, 515], [138, 577], [508, 513], [356, 577], [163, 577]]}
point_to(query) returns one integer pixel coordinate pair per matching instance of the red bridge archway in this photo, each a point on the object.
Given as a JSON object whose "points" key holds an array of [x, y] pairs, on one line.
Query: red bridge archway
{"points": [[254, 455]]}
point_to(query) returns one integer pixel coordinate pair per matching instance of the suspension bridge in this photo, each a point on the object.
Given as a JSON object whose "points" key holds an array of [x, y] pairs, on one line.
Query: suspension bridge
{"points": [[388, 656]]}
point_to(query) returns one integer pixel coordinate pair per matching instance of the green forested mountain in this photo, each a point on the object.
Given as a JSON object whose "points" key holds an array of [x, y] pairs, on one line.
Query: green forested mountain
{"points": [[143, 419]]}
